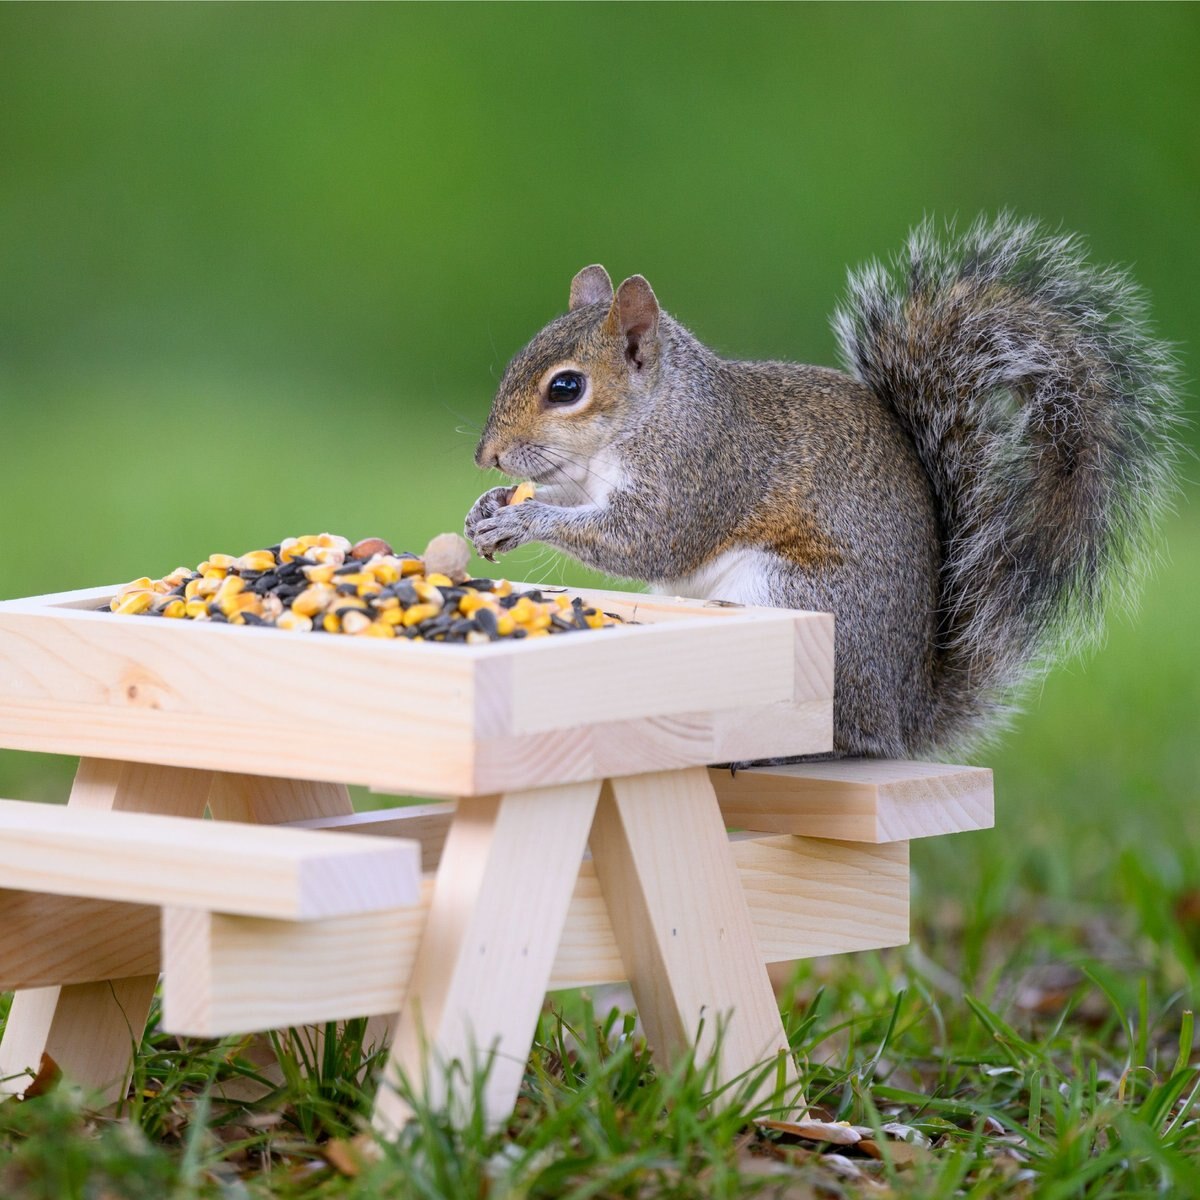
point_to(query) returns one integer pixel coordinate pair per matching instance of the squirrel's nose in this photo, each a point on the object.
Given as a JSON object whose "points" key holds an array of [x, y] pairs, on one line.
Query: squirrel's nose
{"points": [[485, 456]]}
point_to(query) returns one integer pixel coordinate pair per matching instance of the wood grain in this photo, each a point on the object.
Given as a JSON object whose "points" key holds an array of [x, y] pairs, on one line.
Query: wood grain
{"points": [[713, 684], [681, 922], [90, 1029], [481, 971], [218, 865], [862, 800], [806, 897]]}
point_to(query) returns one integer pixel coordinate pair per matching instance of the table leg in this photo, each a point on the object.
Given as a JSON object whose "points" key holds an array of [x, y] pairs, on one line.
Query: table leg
{"points": [[89, 1029], [683, 928], [499, 903]]}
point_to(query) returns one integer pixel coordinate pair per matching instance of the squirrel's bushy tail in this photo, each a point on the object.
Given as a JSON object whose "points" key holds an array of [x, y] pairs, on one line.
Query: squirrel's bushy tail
{"points": [[1044, 412]]}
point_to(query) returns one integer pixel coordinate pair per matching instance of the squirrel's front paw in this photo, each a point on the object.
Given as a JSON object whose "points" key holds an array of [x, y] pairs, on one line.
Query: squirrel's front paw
{"points": [[496, 527]]}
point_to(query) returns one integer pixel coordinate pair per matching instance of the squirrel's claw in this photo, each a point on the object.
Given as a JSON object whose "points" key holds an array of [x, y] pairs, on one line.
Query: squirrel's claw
{"points": [[495, 527]]}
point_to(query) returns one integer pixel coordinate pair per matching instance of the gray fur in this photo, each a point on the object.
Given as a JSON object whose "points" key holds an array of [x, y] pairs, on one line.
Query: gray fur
{"points": [[962, 502], [1043, 412]]}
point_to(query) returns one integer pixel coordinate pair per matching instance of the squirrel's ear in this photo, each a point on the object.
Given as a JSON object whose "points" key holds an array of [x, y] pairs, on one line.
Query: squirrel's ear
{"points": [[591, 286], [634, 316]]}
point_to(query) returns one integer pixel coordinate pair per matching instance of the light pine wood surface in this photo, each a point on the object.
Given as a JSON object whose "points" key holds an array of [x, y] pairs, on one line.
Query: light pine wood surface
{"points": [[90, 1029], [681, 922], [485, 954], [861, 800], [713, 684], [228, 974], [222, 866]]}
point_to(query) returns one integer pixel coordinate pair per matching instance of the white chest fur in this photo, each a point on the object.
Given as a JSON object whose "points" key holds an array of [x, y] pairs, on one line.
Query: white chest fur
{"points": [[740, 576]]}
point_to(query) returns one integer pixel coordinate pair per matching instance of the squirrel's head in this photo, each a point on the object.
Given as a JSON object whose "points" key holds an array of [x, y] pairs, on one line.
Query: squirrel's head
{"points": [[577, 385]]}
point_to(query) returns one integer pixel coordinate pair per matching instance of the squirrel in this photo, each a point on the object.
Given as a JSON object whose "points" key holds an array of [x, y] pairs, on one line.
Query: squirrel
{"points": [[963, 497]]}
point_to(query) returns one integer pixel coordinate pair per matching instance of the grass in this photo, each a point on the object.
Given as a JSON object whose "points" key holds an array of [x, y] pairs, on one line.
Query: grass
{"points": [[1035, 1038]]}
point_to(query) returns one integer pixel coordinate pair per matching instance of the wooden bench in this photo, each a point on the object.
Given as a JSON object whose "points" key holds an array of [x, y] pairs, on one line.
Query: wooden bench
{"points": [[267, 928]]}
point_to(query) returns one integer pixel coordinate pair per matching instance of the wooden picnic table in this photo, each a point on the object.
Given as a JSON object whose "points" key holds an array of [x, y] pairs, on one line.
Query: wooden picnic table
{"points": [[548, 748]]}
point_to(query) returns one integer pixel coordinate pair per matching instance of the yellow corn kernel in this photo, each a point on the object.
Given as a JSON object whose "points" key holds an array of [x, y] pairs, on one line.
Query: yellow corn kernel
{"points": [[289, 548], [196, 608], [472, 602], [216, 574], [134, 602], [219, 562], [331, 623], [295, 622], [428, 593], [386, 603], [256, 560], [192, 588], [411, 566], [355, 602], [145, 584], [370, 588], [418, 613], [523, 611], [231, 585], [522, 492], [562, 600], [208, 586], [355, 622], [315, 598], [385, 570], [596, 620], [236, 619], [505, 625], [379, 629], [320, 574], [177, 608], [392, 616], [439, 580], [502, 588], [539, 622], [329, 556], [243, 602]]}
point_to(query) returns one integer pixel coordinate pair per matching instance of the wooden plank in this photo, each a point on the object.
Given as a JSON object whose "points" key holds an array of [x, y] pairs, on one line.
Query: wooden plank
{"points": [[235, 699], [806, 897], [681, 922], [480, 976], [218, 865], [425, 824], [654, 744], [47, 941], [713, 685], [90, 1029], [861, 800], [263, 801], [708, 664]]}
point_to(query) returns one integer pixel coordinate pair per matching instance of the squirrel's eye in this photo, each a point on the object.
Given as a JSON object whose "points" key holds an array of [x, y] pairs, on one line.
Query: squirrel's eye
{"points": [[566, 387]]}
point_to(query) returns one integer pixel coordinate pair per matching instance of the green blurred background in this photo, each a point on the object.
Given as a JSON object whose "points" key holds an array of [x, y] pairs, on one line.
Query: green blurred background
{"points": [[261, 267]]}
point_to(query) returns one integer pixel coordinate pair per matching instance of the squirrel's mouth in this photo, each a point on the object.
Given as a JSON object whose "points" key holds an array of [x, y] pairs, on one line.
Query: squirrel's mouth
{"points": [[540, 464]]}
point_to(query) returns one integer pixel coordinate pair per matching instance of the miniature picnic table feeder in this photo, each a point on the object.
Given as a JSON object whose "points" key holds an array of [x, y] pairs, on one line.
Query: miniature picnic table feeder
{"points": [[548, 748]]}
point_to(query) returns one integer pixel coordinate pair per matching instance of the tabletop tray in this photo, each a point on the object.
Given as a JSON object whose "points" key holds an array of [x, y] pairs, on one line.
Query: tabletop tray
{"points": [[691, 683]]}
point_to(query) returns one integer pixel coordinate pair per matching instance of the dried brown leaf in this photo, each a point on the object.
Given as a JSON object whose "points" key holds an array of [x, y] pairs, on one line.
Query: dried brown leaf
{"points": [[816, 1131]]}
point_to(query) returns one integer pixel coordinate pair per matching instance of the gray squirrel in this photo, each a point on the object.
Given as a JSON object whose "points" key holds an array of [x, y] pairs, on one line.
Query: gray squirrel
{"points": [[963, 498]]}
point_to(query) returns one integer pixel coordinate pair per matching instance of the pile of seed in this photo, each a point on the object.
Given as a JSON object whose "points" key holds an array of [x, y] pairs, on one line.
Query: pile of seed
{"points": [[323, 583]]}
